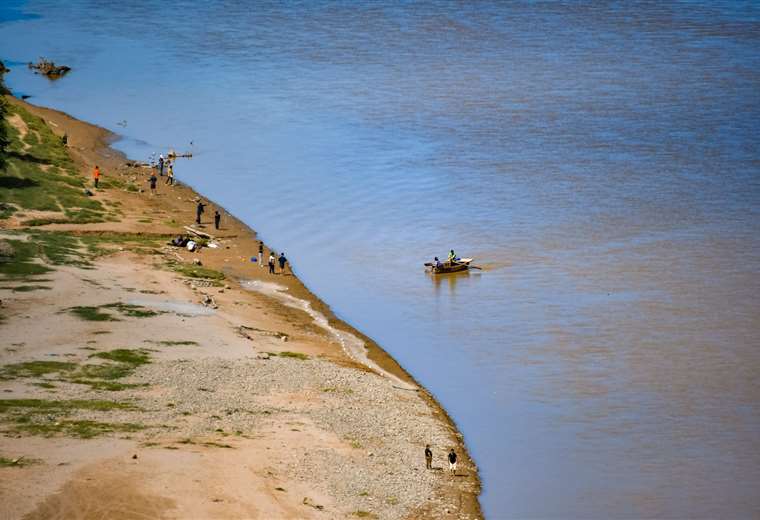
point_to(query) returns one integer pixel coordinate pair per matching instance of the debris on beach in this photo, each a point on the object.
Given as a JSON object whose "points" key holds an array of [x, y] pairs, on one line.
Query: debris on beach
{"points": [[49, 68]]}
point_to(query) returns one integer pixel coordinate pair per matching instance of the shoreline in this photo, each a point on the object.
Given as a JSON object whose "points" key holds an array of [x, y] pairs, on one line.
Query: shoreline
{"points": [[89, 144]]}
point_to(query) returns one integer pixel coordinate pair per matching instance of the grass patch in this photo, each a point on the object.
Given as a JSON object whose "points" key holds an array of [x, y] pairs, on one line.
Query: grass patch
{"points": [[126, 356], [40, 175], [121, 363], [196, 271], [25, 262], [288, 354], [134, 311], [107, 372], [212, 444], [44, 384], [82, 429], [91, 314], [364, 514], [18, 462], [175, 343], [100, 313], [110, 386], [35, 369], [65, 406], [30, 288]]}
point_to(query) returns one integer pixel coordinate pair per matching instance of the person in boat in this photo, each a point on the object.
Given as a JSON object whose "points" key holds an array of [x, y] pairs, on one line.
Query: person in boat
{"points": [[437, 263], [452, 257]]}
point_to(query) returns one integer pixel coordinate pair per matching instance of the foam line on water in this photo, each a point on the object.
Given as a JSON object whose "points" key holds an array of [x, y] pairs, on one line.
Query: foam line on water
{"points": [[351, 345]]}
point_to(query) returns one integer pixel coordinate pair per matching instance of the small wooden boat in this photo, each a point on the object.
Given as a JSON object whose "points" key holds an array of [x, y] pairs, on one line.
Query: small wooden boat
{"points": [[461, 264]]}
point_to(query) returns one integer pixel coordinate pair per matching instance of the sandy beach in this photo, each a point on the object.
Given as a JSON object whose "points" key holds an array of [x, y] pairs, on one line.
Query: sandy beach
{"points": [[143, 380]]}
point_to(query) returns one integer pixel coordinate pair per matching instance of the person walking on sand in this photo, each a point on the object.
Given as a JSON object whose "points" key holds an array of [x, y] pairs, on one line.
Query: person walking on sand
{"points": [[217, 218], [170, 176], [271, 262], [96, 175], [153, 180], [261, 253], [428, 457], [161, 165], [199, 211], [282, 260], [452, 462]]}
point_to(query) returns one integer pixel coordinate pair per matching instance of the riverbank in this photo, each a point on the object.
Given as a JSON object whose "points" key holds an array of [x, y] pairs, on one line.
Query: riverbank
{"points": [[155, 386]]}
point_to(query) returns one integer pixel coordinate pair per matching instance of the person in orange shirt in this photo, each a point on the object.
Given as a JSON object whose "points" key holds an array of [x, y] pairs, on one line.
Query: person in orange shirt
{"points": [[96, 175]]}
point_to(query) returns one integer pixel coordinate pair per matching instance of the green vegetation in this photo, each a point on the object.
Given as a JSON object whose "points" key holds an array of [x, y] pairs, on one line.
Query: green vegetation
{"points": [[212, 444], [109, 386], [126, 356], [18, 462], [45, 405], [44, 384], [91, 313], [196, 271], [288, 354], [36, 252], [30, 288], [121, 363], [175, 343], [82, 429], [4, 139], [335, 389], [35, 369], [41, 416], [364, 514], [39, 174], [24, 264], [135, 311], [100, 314]]}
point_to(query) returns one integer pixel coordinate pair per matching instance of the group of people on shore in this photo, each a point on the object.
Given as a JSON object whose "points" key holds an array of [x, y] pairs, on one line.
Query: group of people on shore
{"points": [[163, 165], [452, 457], [272, 261], [200, 209]]}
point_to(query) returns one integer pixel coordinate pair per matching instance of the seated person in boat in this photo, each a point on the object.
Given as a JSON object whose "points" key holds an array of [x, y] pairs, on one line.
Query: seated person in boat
{"points": [[452, 257], [437, 263]]}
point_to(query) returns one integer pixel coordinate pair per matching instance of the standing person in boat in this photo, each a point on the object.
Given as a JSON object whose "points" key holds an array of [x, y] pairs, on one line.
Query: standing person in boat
{"points": [[452, 257]]}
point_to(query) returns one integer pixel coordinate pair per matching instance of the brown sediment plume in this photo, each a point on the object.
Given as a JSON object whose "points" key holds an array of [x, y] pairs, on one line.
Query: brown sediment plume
{"points": [[246, 407]]}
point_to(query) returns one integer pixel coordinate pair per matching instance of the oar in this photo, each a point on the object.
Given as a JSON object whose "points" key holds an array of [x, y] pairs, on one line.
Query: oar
{"points": [[475, 267], [428, 264]]}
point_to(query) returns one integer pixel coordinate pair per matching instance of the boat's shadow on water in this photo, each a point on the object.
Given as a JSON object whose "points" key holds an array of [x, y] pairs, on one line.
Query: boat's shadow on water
{"points": [[450, 280]]}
